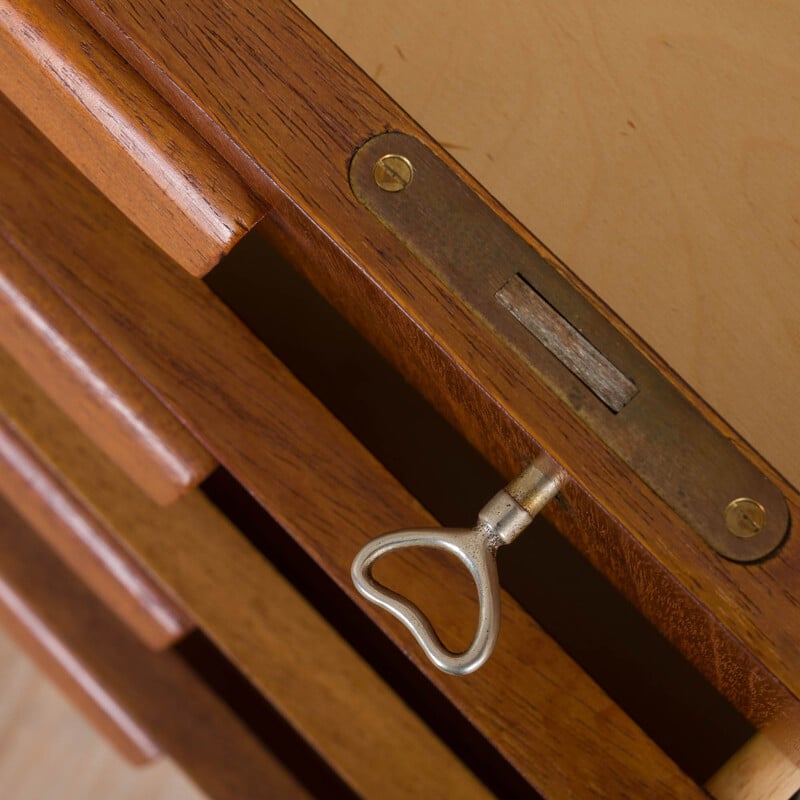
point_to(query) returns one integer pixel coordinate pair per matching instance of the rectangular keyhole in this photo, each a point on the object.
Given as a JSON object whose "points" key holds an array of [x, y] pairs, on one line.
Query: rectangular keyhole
{"points": [[566, 343]]}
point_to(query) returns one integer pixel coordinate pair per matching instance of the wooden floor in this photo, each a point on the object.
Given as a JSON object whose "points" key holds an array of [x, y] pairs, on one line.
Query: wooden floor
{"points": [[47, 751]]}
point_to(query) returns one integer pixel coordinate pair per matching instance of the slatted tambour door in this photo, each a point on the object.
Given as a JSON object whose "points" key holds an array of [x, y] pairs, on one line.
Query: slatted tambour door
{"points": [[289, 117], [207, 568], [215, 116], [265, 628], [270, 647]]}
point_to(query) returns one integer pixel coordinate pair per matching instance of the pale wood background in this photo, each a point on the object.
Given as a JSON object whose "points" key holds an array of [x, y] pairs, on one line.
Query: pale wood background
{"points": [[654, 146], [48, 752]]}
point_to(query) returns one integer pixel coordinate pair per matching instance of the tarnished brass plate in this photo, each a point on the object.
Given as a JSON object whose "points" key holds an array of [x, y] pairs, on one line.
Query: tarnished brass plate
{"points": [[570, 346]]}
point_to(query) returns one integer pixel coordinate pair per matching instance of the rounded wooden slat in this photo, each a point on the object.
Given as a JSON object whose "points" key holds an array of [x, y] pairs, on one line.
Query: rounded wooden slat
{"points": [[759, 771], [94, 551], [121, 134], [89, 382], [42, 644]]}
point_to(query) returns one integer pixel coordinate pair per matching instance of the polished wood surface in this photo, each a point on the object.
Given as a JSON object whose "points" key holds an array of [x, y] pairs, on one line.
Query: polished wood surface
{"points": [[48, 502], [653, 146], [536, 706], [158, 694], [298, 110], [98, 392], [120, 134], [299, 662]]}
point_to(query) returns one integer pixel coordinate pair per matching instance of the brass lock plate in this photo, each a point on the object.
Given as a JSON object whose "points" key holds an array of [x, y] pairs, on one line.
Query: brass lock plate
{"points": [[602, 376]]}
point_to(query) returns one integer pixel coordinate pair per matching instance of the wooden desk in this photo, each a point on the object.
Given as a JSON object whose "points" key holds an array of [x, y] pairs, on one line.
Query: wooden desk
{"points": [[257, 101]]}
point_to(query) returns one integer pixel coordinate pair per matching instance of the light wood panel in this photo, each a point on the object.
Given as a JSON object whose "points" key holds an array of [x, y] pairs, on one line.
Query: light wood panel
{"points": [[87, 380], [289, 110], [121, 135], [95, 551], [759, 771], [538, 708], [157, 693], [652, 146]]}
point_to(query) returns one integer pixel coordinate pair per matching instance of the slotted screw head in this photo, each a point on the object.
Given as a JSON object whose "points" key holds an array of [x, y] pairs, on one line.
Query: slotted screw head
{"points": [[745, 517], [393, 173]]}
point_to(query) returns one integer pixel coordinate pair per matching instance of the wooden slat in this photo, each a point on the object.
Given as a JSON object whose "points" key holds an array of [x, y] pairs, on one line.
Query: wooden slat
{"points": [[80, 373], [157, 698], [289, 110], [546, 717], [120, 134], [43, 645], [299, 662], [92, 550]]}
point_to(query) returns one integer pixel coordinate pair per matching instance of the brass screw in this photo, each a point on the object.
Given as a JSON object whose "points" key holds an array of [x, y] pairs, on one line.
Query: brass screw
{"points": [[745, 518], [393, 173]]}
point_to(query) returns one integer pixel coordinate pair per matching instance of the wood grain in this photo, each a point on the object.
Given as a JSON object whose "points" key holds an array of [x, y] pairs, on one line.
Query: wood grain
{"points": [[93, 550], [540, 710], [288, 110], [299, 662], [120, 134], [98, 392], [653, 146], [158, 694]]}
